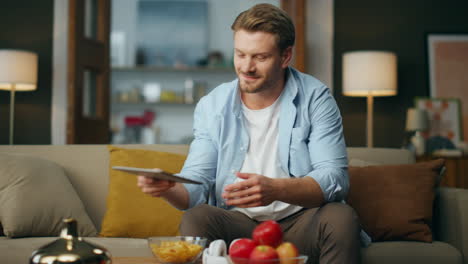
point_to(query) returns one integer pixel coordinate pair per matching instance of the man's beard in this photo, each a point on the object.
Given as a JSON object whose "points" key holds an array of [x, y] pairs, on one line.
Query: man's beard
{"points": [[253, 87]]}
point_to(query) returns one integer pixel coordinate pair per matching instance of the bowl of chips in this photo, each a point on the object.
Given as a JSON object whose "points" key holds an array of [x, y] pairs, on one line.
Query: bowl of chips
{"points": [[177, 249]]}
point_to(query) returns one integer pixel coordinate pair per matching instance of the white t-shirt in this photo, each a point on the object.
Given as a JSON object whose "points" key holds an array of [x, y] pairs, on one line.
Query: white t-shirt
{"points": [[262, 158]]}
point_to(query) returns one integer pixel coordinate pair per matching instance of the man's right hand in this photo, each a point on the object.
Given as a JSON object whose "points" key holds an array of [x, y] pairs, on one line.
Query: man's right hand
{"points": [[154, 187]]}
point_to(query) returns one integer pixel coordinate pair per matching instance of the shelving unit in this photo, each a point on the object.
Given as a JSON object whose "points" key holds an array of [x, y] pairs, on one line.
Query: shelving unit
{"points": [[124, 106], [174, 120], [152, 104], [172, 69]]}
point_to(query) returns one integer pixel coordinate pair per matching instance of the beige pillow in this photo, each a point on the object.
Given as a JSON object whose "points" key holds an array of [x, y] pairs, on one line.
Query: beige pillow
{"points": [[35, 196]]}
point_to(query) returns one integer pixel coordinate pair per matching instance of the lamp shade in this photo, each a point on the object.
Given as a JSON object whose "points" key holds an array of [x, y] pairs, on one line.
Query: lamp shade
{"points": [[369, 73], [18, 69], [416, 119]]}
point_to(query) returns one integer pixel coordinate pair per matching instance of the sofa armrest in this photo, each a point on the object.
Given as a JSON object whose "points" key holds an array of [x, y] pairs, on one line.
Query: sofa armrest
{"points": [[451, 218]]}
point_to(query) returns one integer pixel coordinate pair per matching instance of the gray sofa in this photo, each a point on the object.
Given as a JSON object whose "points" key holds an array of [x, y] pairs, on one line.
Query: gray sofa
{"points": [[87, 168]]}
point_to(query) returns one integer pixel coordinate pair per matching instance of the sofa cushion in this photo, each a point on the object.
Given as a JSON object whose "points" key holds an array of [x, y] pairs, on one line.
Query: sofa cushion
{"points": [[130, 212], [35, 196], [405, 252], [394, 202]]}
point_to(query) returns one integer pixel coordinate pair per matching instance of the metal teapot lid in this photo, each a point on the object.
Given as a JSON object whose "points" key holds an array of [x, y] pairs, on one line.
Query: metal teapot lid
{"points": [[70, 249]]}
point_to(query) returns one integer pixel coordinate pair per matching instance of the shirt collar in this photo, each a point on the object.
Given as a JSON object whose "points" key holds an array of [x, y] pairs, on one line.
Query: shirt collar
{"points": [[290, 88]]}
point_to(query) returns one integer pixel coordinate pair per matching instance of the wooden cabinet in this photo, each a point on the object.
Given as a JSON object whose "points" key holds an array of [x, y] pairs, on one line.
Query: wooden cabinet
{"points": [[457, 171]]}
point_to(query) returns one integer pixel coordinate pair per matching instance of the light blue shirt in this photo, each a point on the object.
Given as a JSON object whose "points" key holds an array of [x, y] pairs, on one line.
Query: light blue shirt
{"points": [[311, 142]]}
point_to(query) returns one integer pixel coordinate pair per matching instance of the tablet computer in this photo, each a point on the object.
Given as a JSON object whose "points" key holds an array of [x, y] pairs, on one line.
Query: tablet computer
{"points": [[155, 173]]}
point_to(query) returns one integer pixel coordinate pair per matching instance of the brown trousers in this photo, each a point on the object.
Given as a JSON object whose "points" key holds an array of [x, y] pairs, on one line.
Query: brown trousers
{"points": [[329, 234]]}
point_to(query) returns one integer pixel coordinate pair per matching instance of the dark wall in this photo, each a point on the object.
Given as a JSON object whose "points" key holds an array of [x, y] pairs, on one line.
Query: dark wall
{"points": [[399, 26], [28, 25]]}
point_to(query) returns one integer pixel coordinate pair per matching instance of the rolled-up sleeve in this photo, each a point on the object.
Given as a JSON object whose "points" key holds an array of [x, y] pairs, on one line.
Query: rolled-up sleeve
{"points": [[327, 148], [201, 162]]}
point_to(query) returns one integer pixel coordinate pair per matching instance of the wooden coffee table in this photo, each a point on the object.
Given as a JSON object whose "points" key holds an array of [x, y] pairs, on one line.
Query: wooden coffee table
{"points": [[134, 260]]}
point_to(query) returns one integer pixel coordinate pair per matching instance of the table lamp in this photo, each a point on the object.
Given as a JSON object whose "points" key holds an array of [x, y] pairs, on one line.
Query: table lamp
{"points": [[369, 74], [18, 72], [417, 120]]}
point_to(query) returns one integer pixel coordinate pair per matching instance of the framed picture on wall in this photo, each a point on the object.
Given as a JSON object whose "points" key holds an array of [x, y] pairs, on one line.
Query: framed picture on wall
{"points": [[444, 116], [448, 64]]}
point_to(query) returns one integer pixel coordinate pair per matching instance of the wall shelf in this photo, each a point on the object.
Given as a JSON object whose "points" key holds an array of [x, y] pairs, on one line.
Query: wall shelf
{"points": [[146, 104], [172, 69]]}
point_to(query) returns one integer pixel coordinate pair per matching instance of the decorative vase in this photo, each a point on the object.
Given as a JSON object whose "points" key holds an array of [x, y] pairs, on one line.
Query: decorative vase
{"points": [[419, 143], [70, 248]]}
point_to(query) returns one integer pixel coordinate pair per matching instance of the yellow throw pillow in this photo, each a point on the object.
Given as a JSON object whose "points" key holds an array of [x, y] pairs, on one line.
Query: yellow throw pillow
{"points": [[130, 212]]}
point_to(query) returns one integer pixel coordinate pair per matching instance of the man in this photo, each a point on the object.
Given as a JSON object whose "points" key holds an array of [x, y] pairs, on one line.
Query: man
{"points": [[268, 145]]}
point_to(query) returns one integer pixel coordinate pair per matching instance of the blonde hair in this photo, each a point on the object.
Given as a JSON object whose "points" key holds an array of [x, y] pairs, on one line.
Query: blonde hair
{"points": [[267, 18]]}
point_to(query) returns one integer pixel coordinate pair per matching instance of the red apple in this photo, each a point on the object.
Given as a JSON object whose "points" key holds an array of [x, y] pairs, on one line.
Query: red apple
{"points": [[240, 249], [286, 251], [268, 233], [264, 254]]}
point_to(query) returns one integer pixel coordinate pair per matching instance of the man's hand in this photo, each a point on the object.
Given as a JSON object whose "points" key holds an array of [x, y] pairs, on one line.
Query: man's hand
{"points": [[256, 190], [154, 187]]}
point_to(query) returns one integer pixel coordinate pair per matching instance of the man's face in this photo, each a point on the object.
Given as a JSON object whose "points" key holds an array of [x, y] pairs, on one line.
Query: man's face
{"points": [[258, 61]]}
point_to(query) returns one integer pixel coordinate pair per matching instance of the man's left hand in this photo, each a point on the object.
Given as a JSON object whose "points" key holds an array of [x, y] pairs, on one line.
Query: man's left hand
{"points": [[255, 190]]}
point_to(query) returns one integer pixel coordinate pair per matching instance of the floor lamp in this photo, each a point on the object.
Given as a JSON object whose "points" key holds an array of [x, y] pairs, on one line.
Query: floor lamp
{"points": [[369, 74], [18, 72]]}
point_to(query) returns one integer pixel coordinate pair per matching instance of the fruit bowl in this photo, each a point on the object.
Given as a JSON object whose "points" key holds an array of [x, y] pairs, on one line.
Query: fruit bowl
{"points": [[177, 249], [302, 259]]}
